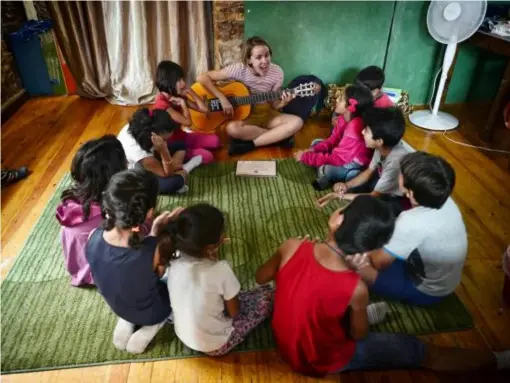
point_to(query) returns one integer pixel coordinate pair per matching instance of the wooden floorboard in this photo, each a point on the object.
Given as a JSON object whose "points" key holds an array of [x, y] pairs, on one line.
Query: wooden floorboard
{"points": [[45, 133]]}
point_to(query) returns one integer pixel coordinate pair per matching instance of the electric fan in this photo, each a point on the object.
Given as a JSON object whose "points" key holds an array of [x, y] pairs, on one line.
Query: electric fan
{"points": [[448, 22]]}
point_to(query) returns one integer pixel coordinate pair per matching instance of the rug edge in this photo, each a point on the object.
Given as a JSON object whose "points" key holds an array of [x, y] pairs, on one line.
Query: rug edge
{"points": [[145, 360]]}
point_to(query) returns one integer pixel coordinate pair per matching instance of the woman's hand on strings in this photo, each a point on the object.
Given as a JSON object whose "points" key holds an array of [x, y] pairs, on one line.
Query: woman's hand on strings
{"points": [[228, 109]]}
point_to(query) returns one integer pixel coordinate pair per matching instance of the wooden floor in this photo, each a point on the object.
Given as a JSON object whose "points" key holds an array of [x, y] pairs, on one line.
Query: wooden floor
{"points": [[46, 133]]}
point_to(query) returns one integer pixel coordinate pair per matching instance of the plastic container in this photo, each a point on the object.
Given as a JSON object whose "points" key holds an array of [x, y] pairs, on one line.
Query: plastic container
{"points": [[25, 45]]}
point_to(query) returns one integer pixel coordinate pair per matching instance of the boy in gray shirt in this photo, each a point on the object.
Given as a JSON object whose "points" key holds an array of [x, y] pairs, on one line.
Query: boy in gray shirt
{"points": [[383, 132], [423, 261]]}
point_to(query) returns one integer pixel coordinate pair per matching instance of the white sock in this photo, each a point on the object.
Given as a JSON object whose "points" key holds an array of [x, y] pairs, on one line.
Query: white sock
{"points": [[123, 331], [183, 190], [192, 164], [503, 359], [320, 171], [376, 312], [142, 337]]}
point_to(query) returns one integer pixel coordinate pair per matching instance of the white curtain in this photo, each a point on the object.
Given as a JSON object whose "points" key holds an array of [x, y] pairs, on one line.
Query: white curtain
{"points": [[139, 34]]}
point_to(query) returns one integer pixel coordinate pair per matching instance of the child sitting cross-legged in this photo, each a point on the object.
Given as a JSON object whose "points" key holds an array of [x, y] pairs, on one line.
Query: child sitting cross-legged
{"points": [[211, 313], [344, 154], [383, 132]]}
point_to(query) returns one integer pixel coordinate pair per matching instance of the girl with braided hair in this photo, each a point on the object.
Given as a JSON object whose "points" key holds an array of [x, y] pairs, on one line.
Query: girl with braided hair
{"points": [[125, 265], [211, 313], [80, 210]]}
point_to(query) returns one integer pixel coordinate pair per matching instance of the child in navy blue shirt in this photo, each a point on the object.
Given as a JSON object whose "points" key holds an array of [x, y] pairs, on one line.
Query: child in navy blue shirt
{"points": [[126, 267]]}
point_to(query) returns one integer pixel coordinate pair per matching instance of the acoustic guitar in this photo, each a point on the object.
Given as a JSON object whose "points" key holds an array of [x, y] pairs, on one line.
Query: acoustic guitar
{"points": [[241, 99]]}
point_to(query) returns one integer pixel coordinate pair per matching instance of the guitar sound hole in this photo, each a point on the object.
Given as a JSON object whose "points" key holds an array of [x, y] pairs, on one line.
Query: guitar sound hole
{"points": [[232, 101]]}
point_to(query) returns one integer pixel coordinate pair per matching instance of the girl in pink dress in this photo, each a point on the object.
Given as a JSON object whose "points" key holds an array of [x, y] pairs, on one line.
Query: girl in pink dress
{"points": [[80, 210]]}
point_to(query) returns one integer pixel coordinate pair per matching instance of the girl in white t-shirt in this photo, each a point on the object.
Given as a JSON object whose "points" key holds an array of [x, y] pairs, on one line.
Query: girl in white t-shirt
{"points": [[211, 313], [144, 140]]}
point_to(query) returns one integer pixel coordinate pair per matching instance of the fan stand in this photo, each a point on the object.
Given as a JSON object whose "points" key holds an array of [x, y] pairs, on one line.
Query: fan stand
{"points": [[434, 119], [427, 120]]}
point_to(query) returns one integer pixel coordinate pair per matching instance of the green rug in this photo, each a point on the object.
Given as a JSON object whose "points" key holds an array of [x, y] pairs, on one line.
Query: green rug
{"points": [[47, 324]]}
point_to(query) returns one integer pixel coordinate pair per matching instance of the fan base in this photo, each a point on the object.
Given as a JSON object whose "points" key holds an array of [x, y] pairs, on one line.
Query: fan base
{"points": [[440, 122]]}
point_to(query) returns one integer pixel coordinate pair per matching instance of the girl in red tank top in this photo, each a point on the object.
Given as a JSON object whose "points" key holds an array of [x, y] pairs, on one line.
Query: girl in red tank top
{"points": [[309, 302], [315, 290]]}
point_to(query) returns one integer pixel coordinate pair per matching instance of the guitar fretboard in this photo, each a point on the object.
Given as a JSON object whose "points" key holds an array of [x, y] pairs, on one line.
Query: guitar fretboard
{"points": [[258, 98], [215, 105]]}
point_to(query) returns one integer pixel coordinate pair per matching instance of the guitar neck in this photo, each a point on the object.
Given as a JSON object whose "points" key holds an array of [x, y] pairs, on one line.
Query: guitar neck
{"points": [[214, 104], [257, 98]]}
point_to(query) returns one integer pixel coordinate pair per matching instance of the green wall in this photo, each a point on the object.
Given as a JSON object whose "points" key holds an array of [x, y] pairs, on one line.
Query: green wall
{"points": [[412, 53], [333, 40]]}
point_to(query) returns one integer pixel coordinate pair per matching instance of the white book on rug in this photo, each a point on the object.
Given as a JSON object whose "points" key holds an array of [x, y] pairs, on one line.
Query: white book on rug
{"points": [[256, 168]]}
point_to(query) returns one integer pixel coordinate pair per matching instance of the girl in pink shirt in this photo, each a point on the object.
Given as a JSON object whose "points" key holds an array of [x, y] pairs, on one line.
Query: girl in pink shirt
{"points": [[344, 154], [80, 210], [173, 97]]}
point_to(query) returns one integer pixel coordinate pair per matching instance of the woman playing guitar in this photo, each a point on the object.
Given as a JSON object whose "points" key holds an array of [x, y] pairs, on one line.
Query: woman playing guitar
{"points": [[265, 125]]}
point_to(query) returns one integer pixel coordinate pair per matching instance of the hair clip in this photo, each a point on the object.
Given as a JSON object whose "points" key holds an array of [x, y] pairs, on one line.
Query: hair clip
{"points": [[352, 105]]}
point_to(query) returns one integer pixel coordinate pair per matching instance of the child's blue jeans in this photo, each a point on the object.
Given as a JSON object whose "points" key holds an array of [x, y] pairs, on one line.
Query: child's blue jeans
{"points": [[341, 173], [396, 283], [329, 174], [384, 350], [170, 184]]}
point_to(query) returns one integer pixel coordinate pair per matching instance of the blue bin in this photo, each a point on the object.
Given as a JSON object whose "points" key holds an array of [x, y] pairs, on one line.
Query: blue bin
{"points": [[26, 48]]}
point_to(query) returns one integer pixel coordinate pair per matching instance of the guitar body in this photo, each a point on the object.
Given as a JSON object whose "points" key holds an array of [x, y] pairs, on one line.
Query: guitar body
{"points": [[210, 121]]}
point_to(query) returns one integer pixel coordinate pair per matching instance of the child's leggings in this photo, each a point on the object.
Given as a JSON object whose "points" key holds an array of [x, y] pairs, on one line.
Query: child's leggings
{"points": [[255, 306], [201, 144]]}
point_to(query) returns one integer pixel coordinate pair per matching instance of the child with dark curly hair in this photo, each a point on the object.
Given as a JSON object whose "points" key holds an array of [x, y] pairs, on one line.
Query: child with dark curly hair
{"points": [[144, 140], [80, 210]]}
